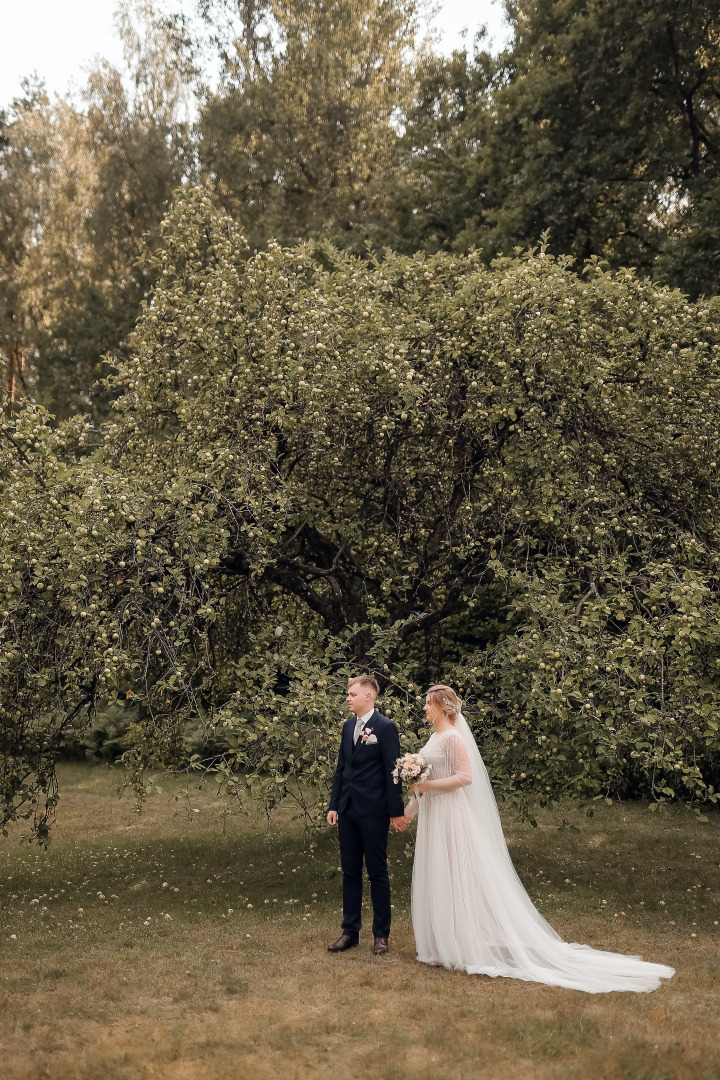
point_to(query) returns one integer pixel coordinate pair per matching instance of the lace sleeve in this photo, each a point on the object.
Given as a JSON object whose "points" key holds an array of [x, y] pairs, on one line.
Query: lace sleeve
{"points": [[412, 808], [459, 766]]}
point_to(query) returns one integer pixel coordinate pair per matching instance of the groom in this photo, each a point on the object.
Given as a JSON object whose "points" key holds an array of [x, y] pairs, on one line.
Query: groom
{"points": [[363, 801]]}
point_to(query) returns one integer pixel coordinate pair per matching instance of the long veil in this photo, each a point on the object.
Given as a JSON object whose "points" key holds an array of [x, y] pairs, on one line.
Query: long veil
{"points": [[508, 935]]}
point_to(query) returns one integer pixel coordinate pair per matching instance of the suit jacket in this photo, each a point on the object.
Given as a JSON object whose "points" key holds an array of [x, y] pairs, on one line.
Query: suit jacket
{"points": [[363, 777]]}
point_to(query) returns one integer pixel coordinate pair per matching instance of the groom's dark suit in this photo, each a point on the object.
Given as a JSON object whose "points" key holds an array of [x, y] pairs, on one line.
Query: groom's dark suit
{"points": [[365, 798]]}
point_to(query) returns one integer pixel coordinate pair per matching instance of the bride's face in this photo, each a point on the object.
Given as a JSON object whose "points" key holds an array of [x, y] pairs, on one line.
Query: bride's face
{"points": [[431, 711]]}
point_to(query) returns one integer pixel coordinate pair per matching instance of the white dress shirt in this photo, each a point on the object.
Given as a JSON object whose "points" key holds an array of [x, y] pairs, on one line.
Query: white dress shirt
{"points": [[360, 724]]}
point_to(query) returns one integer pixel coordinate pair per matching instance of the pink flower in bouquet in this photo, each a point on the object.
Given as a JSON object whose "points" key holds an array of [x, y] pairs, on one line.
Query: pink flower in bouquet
{"points": [[412, 768]]}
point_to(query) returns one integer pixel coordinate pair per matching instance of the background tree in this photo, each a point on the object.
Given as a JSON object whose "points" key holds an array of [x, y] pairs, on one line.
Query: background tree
{"points": [[600, 123], [85, 186], [439, 189], [301, 139], [18, 218]]}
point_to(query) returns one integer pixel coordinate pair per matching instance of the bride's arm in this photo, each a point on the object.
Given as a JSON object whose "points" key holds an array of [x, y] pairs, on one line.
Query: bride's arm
{"points": [[461, 769], [412, 808]]}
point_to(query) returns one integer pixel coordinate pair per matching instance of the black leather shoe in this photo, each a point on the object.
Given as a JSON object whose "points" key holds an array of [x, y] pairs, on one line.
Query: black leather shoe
{"points": [[381, 946], [345, 941]]}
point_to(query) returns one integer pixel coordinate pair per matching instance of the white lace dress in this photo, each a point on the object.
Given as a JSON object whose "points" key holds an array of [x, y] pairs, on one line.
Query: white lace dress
{"points": [[469, 908]]}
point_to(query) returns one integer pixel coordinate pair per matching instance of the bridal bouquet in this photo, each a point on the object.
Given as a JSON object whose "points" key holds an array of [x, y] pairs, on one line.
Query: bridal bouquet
{"points": [[412, 768]]}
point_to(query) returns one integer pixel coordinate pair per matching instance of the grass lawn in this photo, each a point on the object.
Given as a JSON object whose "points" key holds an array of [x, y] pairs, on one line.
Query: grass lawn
{"points": [[182, 944]]}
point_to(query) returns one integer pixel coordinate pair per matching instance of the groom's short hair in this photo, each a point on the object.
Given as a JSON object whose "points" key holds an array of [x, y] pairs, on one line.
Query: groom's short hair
{"points": [[366, 680]]}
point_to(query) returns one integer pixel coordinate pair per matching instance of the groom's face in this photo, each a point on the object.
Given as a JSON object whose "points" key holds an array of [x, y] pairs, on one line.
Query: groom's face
{"points": [[359, 699]]}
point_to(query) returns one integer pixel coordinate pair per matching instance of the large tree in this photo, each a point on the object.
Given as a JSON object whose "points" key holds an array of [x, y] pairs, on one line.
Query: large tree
{"points": [[83, 188], [18, 220], [600, 123], [301, 139], [315, 462]]}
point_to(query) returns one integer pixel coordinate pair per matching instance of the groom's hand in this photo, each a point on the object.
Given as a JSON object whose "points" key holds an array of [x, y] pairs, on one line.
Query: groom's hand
{"points": [[332, 817], [399, 824]]}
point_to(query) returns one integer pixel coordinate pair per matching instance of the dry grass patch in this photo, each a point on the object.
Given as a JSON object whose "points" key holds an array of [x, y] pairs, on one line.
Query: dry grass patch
{"points": [[168, 973]]}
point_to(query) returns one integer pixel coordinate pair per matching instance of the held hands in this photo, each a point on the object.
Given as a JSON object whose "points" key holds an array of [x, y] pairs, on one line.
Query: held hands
{"points": [[399, 824]]}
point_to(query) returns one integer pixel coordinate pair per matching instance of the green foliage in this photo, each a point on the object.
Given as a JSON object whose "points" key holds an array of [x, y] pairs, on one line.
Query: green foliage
{"points": [[83, 187], [317, 464], [597, 126], [439, 194], [598, 123], [301, 139]]}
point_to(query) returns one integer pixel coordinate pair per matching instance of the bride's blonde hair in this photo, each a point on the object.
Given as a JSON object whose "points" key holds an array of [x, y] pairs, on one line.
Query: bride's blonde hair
{"points": [[445, 699]]}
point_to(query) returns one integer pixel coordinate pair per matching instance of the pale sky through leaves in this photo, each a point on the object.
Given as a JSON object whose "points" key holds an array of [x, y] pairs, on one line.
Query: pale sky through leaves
{"points": [[58, 39]]}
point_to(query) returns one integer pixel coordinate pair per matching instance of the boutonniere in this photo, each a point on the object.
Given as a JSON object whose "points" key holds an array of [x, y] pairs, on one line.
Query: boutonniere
{"points": [[367, 736]]}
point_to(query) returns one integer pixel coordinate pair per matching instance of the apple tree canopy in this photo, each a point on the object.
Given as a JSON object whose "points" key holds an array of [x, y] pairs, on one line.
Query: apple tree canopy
{"points": [[422, 466]]}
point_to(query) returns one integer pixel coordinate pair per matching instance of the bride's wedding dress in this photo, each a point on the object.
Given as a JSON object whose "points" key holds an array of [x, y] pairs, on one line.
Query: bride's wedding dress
{"points": [[469, 908]]}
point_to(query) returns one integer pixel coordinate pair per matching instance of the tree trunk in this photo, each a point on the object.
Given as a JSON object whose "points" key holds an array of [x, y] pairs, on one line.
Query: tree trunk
{"points": [[14, 376], [433, 653]]}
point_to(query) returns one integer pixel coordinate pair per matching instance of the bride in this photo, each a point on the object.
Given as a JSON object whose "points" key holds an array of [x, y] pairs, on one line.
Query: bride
{"points": [[469, 909]]}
